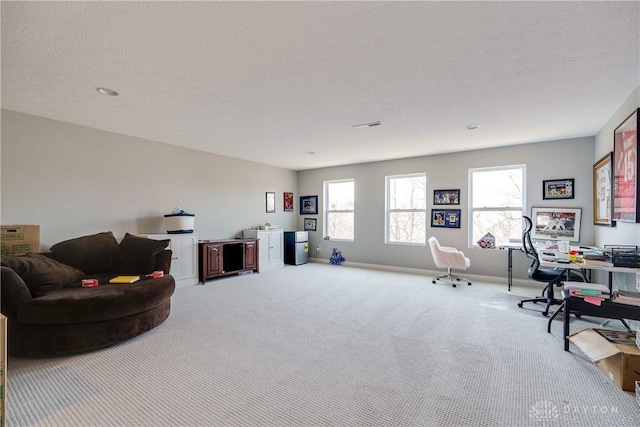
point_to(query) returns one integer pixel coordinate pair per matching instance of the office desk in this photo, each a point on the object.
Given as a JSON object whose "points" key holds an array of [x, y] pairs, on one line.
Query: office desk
{"points": [[608, 309], [510, 250], [588, 265]]}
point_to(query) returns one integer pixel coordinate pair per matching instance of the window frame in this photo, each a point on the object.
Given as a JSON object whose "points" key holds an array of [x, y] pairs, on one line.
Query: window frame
{"points": [[388, 210], [522, 209], [326, 209]]}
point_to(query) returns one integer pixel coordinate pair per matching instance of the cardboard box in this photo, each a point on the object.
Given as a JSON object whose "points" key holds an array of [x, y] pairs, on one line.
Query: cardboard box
{"points": [[620, 362], [19, 239]]}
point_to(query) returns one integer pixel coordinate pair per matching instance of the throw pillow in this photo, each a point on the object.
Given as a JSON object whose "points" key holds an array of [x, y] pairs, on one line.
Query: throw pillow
{"points": [[42, 274], [139, 254], [92, 254]]}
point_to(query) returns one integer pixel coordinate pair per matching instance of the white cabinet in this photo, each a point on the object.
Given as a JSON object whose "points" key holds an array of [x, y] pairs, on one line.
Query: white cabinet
{"points": [[270, 247], [184, 257]]}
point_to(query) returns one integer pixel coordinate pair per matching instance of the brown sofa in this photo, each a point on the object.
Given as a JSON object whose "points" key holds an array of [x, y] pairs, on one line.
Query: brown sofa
{"points": [[50, 314]]}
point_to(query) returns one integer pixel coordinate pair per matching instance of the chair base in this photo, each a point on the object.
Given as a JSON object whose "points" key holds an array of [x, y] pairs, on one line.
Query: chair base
{"points": [[450, 277], [548, 299]]}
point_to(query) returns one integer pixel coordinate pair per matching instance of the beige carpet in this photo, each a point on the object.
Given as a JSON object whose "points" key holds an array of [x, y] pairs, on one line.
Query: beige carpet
{"points": [[322, 345]]}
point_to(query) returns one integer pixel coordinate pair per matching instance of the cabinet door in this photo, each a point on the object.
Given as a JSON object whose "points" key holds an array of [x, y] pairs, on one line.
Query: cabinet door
{"points": [[183, 264], [263, 247], [214, 260], [250, 258], [276, 246], [184, 256]]}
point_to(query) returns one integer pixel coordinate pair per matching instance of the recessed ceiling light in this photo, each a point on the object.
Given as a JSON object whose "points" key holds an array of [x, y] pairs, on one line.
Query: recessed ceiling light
{"points": [[107, 91], [471, 127], [368, 125]]}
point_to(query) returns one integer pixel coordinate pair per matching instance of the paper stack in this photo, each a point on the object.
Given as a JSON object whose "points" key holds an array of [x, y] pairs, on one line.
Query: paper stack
{"points": [[627, 297], [592, 293]]}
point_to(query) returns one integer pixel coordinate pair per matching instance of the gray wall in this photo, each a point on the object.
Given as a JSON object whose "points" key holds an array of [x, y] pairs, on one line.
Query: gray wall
{"points": [[571, 158], [624, 233], [75, 180]]}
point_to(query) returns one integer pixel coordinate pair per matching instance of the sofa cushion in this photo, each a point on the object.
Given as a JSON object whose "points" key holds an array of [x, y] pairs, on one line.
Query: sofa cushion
{"points": [[92, 254], [42, 274], [139, 254]]}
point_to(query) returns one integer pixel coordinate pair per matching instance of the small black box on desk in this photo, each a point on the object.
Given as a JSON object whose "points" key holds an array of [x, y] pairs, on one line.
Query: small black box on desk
{"points": [[624, 256]]}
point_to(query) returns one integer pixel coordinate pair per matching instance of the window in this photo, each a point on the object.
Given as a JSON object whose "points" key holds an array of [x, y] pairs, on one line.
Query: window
{"points": [[406, 209], [497, 203], [338, 211]]}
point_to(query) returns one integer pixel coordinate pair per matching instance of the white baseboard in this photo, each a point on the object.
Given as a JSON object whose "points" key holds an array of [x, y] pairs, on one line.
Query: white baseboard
{"points": [[183, 283], [473, 277], [271, 266]]}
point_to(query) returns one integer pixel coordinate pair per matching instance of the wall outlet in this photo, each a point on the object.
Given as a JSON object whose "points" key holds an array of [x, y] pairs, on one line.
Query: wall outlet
{"points": [[318, 248]]}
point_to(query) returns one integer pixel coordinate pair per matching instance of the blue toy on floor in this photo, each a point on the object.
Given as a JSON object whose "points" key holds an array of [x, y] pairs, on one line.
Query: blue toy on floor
{"points": [[336, 257]]}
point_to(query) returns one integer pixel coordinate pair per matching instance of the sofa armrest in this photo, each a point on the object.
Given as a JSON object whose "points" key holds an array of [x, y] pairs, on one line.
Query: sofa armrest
{"points": [[163, 261], [13, 292]]}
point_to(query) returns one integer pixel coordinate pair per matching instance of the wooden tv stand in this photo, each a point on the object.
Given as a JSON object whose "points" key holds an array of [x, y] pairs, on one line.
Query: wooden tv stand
{"points": [[219, 258]]}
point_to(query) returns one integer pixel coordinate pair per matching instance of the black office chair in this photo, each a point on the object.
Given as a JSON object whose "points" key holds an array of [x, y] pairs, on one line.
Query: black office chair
{"points": [[551, 276]]}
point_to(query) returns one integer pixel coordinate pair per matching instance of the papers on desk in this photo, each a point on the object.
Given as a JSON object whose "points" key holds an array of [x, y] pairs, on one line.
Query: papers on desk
{"points": [[593, 293], [598, 263], [586, 255], [627, 297]]}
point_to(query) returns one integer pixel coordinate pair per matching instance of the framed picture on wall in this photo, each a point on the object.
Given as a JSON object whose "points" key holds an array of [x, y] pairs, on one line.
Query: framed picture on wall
{"points": [[626, 202], [446, 218], [310, 224], [309, 205], [288, 202], [271, 202], [556, 223], [446, 197], [558, 189], [603, 191]]}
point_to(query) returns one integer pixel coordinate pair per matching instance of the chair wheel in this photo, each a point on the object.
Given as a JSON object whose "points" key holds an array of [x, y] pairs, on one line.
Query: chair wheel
{"points": [[520, 304], [457, 279], [468, 283], [454, 285], [545, 313], [578, 315], [433, 281]]}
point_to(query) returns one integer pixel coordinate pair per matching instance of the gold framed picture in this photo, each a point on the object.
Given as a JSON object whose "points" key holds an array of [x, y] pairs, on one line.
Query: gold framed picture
{"points": [[603, 191]]}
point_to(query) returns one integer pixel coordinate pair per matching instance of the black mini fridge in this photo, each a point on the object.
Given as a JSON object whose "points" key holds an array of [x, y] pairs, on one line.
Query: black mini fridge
{"points": [[296, 247]]}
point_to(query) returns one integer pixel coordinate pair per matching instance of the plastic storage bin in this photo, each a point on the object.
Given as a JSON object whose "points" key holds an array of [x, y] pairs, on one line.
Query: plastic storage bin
{"points": [[179, 223]]}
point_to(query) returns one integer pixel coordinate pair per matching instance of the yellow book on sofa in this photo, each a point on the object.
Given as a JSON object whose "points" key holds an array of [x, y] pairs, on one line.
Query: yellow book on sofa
{"points": [[124, 279]]}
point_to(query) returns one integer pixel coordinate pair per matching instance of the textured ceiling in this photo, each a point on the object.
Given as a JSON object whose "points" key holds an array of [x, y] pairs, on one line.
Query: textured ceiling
{"points": [[270, 81]]}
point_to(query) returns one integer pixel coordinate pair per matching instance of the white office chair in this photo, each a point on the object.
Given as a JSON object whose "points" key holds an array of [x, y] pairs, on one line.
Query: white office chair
{"points": [[449, 258]]}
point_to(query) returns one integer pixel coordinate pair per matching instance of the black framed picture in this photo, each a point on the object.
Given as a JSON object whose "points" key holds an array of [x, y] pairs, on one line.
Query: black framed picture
{"points": [[271, 202], [310, 224], [558, 189], [309, 205], [288, 202], [446, 218], [446, 197]]}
